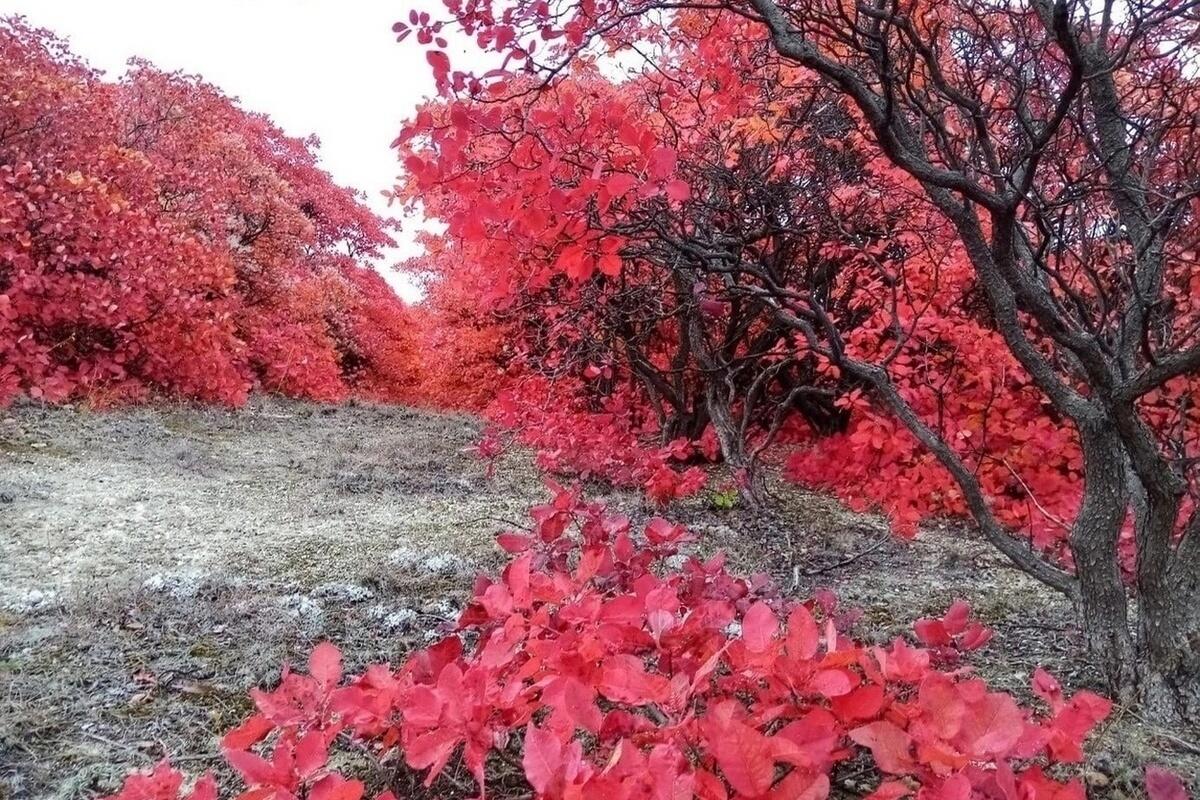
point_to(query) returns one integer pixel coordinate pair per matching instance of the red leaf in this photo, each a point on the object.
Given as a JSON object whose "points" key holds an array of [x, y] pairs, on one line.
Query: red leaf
{"points": [[814, 738], [759, 627], [576, 262], [803, 635], [709, 786], [1162, 784], [253, 768], [576, 702], [609, 263], [312, 751], [864, 702], [744, 756], [992, 725], [1047, 687], [662, 163], [335, 787], [932, 633], [432, 750], [514, 542], [542, 758], [678, 190], [890, 745], [661, 531], [831, 683], [890, 790], [517, 577], [205, 788], [955, 618], [620, 183], [975, 636], [325, 664], [247, 734], [801, 785], [625, 680]]}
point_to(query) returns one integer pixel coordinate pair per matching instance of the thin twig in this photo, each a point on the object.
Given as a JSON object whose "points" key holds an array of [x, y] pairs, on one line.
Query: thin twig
{"points": [[1184, 744], [1033, 498], [110, 742], [848, 561]]}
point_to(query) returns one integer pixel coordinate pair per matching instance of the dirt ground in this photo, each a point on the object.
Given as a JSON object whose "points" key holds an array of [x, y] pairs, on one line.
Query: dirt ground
{"points": [[157, 563]]}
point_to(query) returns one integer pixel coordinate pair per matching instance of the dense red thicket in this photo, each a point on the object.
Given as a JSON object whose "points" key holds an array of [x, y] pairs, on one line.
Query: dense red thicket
{"points": [[155, 238], [602, 437], [973, 224], [601, 663], [582, 221], [465, 356], [608, 354], [605, 371]]}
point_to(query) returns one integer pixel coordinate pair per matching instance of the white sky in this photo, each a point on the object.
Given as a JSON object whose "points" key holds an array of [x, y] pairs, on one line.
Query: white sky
{"points": [[329, 67]]}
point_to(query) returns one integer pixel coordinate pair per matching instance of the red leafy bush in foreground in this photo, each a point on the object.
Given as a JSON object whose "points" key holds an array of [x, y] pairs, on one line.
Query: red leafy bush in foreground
{"points": [[165, 783], [603, 665]]}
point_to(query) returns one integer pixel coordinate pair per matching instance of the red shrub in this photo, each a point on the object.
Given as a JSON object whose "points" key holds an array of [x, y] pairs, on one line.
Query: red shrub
{"points": [[606, 438], [156, 238], [595, 670]]}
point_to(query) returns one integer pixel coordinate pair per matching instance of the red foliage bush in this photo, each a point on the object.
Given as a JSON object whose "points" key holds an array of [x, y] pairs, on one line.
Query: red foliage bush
{"points": [[604, 664], [465, 355], [511, 215], [605, 439], [957, 374], [155, 238], [596, 216]]}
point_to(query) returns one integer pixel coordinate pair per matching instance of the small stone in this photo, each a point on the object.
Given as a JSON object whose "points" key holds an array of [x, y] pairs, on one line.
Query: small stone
{"points": [[32, 601], [402, 619], [444, 564]]}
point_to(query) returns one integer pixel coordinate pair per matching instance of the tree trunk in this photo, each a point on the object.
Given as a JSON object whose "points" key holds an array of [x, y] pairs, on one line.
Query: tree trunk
{"points": [[733, 447], [1162, 670], [1168, 583], [689, 424], [1103, 602], [1170, 644], [1169, 629]]}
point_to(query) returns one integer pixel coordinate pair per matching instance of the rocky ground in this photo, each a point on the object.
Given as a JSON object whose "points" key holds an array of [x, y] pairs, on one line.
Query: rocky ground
{"points": [[156, 563]]}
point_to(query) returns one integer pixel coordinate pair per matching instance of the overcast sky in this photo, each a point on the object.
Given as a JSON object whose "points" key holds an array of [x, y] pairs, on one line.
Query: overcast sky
{"points": [[329, 67]]}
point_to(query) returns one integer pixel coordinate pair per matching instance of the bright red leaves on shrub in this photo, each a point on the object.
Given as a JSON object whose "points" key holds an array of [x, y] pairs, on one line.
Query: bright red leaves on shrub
{"points": [[166, 783], [551, 296], [954, 632], [155, 238], [532, 186], [602, 672], [606, 440]]}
